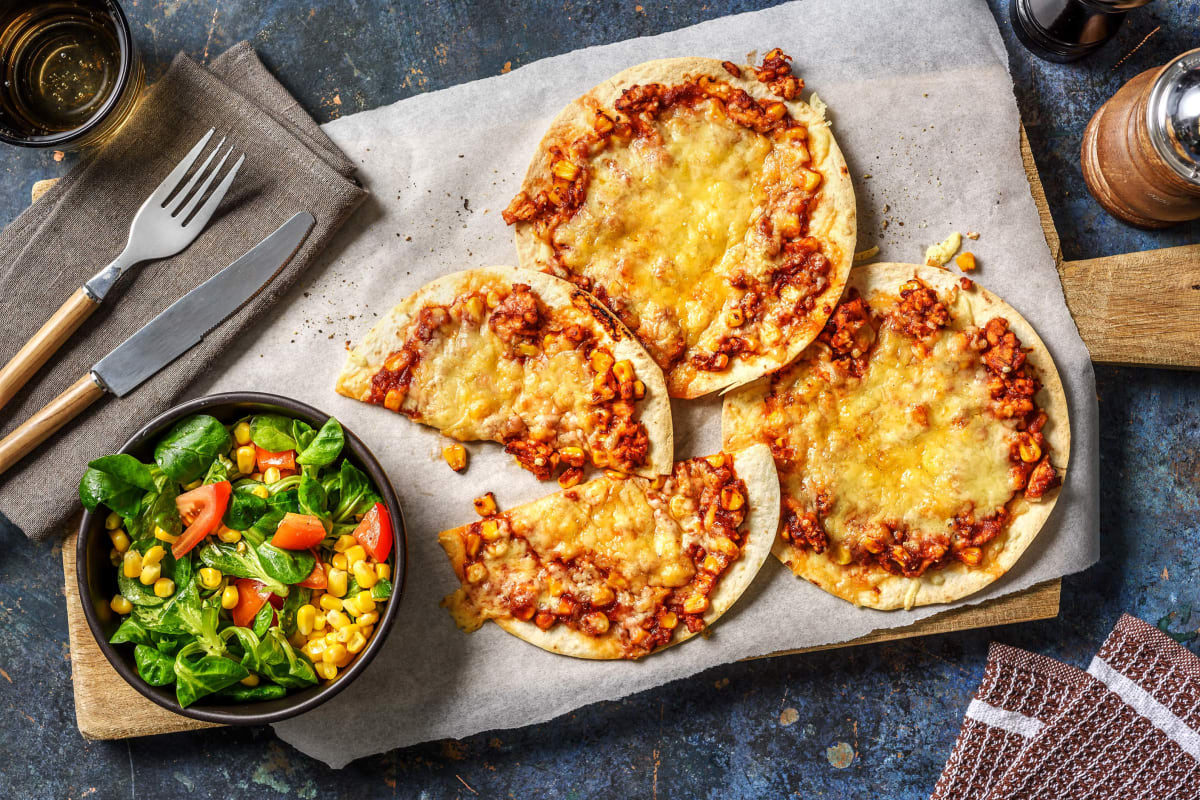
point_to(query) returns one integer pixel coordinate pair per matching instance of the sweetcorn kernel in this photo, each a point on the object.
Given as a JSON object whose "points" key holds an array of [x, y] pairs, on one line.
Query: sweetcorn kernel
{"points": [[315, 648], [306, 615], [150, 573], [365, 575], [338, 580], [485, 506], [489, 529], [356, 643], [210, 578], [365, 602], [165, 536], [334, 653], [456, 457], [241, 433], [228, 535], [120, 540], [246, 456]]}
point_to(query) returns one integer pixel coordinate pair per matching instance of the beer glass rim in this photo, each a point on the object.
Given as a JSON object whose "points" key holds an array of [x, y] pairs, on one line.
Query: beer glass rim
{"points": [[127, 55]]}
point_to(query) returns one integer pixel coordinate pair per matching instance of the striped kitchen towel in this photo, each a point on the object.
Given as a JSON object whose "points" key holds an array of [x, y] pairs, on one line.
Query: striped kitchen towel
{"points": [[1127, 729]]}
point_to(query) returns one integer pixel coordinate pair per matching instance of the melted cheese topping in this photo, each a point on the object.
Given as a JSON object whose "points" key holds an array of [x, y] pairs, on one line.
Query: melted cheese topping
{"points": [[912, 441], [619, 544], [468, 385], [474, 385], [668, 220], [614, 525], [669, 217]]}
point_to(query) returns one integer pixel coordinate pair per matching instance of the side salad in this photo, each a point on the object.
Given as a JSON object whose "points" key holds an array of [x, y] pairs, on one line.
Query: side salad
{"points": [[250, 560]]}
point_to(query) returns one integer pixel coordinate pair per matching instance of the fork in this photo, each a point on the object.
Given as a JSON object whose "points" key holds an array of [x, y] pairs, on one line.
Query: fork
{"points": [[166, 223]]}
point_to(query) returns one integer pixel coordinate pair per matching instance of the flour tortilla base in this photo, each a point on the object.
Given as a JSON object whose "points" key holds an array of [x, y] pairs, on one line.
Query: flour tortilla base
{"points": [[388, 335], [834, 220], [756, 468], [956, 580]]}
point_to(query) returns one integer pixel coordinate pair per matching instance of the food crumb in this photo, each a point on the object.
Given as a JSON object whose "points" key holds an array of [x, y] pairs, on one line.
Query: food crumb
{"points": [[972, 235], [938, 255], [789, 716], [966, 261], [507, 68], [863, 255]]}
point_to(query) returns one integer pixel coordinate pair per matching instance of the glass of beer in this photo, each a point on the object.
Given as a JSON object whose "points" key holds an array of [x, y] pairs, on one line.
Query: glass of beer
{"points": [[70, 74]]}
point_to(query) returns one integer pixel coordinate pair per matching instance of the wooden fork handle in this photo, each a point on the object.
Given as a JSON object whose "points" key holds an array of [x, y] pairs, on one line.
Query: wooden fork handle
{"points": [[54, 415], [37, 351]]}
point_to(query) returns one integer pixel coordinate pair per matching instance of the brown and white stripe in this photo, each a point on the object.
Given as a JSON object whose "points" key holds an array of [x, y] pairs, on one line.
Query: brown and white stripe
{"points": [[1128, 729], [1020, 694]]}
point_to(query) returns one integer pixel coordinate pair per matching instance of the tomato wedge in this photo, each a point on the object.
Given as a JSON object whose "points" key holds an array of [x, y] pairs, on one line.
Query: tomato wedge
{"points": [[251, 596], [201, 510], [283, 460], [317, 579], [374, 533], [298, 532]]}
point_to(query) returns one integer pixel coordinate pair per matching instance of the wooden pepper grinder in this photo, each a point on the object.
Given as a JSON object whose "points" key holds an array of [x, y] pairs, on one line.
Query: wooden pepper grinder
{"points": [[1141, 150]]}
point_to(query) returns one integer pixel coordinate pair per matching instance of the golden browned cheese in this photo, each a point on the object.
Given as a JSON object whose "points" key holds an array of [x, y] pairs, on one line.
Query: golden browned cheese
{"points": [[669, 219], [621, 553], [684, 226], [495, 363], [912, 442], [468, 385]]}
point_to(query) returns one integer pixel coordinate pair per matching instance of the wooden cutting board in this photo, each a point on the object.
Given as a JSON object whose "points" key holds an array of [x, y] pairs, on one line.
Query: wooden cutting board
{"points": [[1135, 309]]}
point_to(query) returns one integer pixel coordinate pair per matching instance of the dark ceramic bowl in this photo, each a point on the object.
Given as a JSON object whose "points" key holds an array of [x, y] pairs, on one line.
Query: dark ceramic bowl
{"points": [[98, 578]]}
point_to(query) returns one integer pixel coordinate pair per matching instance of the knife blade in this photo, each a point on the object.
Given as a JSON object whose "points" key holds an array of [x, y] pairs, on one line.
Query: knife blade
{"points": [[185, 322], [166, 337]]}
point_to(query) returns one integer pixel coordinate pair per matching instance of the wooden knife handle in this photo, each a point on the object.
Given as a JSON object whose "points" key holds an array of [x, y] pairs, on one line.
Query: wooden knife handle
{"points": [[37, 351], [57, 412]]}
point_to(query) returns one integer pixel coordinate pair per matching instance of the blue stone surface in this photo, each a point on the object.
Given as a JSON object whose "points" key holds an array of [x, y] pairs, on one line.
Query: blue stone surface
{"points": [[865, 722]]}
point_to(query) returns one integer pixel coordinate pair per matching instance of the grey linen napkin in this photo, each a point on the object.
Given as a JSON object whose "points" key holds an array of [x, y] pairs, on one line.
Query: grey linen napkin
{"points": [[82, 223]]}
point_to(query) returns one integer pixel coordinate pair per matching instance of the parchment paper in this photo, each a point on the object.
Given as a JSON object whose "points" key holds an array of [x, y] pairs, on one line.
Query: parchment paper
{"points": [[921, 101]]}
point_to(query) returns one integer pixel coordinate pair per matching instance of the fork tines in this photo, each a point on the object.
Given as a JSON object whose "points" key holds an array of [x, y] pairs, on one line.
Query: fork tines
{"points": [[184, 202]]}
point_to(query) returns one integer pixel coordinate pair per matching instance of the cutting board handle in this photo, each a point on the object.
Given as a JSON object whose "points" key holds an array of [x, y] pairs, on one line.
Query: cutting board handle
{"points": [[1138, 309]]}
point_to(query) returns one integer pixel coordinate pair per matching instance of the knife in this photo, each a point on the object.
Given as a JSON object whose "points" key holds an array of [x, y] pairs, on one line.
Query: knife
{"points": [[162, 340]]}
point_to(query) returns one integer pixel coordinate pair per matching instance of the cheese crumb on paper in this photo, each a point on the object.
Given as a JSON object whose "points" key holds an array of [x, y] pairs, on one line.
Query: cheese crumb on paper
{"points": [[938, 255], [863, 255]]}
